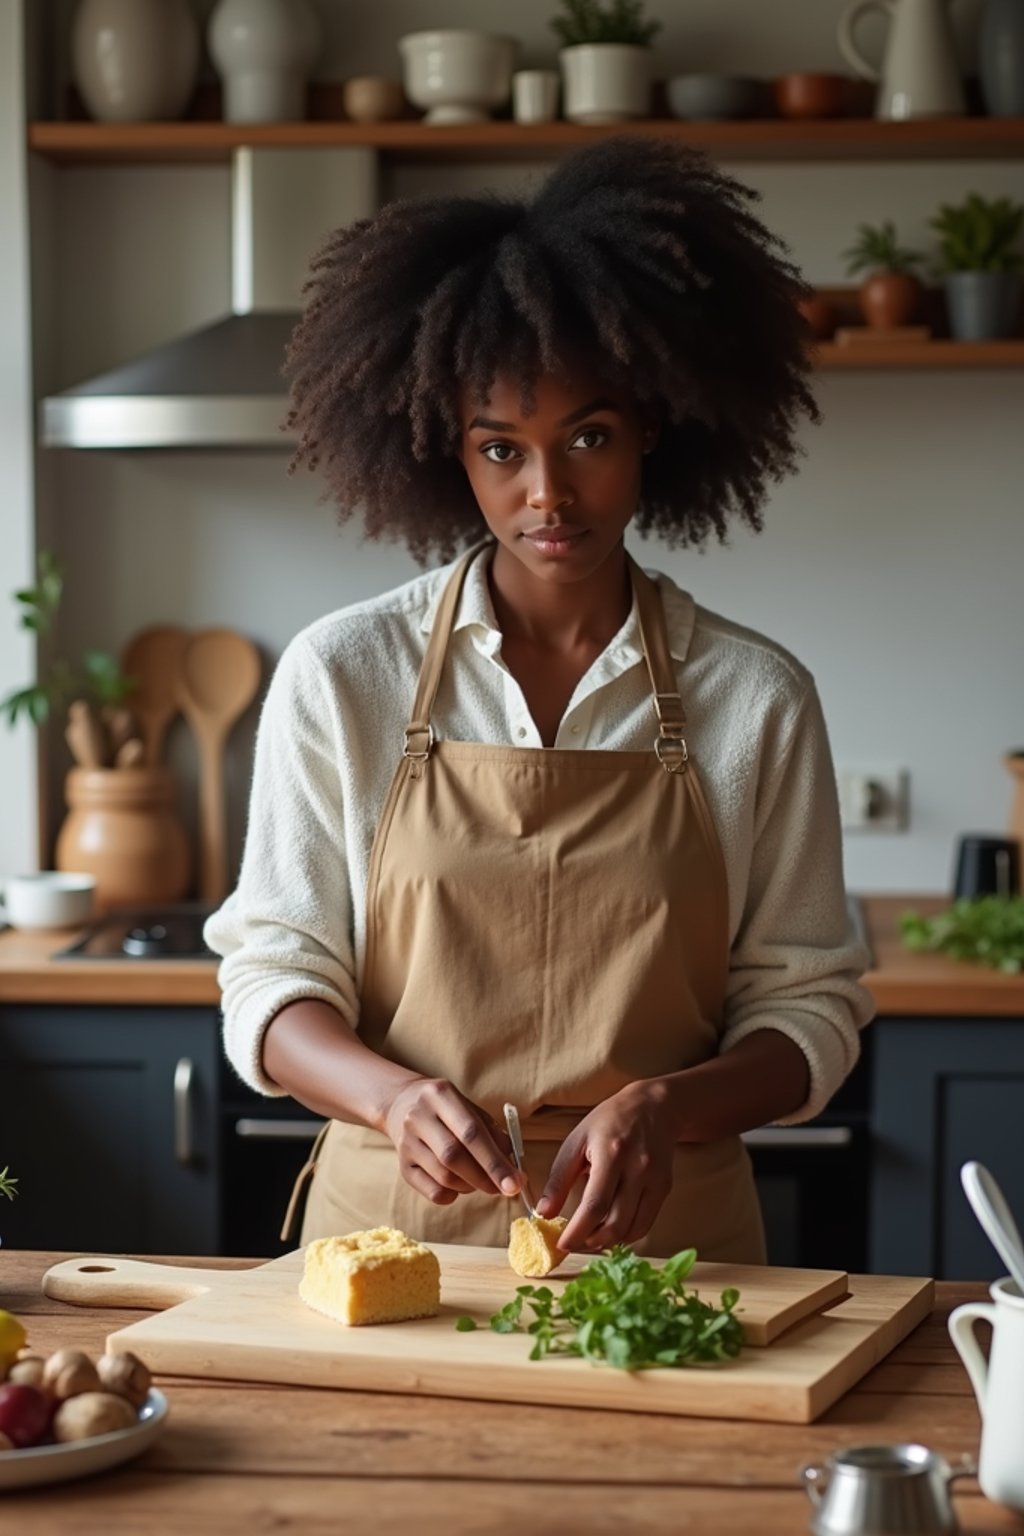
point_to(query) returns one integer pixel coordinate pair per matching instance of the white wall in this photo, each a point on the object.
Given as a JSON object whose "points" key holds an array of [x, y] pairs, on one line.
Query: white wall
{"points": [[892, 565]]}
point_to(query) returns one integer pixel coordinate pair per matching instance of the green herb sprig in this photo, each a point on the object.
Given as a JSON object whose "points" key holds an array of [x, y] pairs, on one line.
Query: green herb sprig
{"points": [[592, 21], [100, 677], [624, 1312], [8, 1185], [987, 929]]}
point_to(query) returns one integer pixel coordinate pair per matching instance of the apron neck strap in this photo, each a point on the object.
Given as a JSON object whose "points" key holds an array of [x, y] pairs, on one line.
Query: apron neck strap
{"points": [[419, 733]]}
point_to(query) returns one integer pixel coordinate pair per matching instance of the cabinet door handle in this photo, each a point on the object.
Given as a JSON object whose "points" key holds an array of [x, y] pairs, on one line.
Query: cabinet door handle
{"points": [[784, 1136], [184, 1076], [278, 1130]]}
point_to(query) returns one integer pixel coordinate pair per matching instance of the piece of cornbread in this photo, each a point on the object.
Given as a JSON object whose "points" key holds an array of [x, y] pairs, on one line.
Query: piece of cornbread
{"points": [[379, 1276], [531, 1244]]}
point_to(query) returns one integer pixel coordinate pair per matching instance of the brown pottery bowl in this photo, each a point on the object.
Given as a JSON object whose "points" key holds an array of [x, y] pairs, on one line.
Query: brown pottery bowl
{"points": [[811, 96]]}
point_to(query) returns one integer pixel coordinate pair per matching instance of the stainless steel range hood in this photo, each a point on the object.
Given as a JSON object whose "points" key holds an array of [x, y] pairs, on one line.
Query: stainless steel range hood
{"points": [[221, 386]]}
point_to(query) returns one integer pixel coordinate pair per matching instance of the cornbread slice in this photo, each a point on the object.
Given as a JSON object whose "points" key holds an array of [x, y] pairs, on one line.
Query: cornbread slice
{"points": [[531, 1244], [379, 1276]]}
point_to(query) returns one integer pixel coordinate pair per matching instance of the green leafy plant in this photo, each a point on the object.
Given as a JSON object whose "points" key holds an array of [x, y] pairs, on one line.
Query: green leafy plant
{"points": [[876, 249], [622, 1311], [8, 1185], [987, 929], [980, 235], [99, 677], [592, 21]]}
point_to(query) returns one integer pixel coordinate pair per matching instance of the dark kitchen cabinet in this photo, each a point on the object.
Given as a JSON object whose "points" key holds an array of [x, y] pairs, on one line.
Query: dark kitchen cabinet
{"points": [[108, 1116], [946, 1091]]}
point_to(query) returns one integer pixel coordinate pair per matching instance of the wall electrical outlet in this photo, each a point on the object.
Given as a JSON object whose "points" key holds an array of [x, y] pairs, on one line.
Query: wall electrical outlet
{"points": [[872, 798]]}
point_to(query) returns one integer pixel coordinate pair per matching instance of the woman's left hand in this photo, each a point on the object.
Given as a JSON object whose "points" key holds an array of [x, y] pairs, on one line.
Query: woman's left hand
{"points": [[624, 1148]]}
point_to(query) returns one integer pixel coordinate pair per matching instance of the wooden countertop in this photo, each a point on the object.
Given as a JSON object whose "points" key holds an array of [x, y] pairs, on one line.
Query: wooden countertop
{"points": [[901, 982], [239, 1456]]}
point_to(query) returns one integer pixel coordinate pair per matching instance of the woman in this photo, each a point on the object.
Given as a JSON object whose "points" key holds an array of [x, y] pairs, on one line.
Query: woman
{"points": [[535, 827]]}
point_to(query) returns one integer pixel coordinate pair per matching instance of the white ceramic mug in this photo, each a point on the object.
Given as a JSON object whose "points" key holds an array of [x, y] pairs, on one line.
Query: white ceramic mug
{"points": [[48, 899], [535, 95], [999, 1388]]}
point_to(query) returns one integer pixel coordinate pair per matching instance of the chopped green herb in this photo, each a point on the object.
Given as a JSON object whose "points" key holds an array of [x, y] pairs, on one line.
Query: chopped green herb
{"points": [[988, 929], [623, 1311], [465, 1324]]}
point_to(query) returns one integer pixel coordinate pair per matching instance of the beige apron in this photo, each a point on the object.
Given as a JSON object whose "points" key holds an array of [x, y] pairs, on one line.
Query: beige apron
{"points": [[544, 926]]}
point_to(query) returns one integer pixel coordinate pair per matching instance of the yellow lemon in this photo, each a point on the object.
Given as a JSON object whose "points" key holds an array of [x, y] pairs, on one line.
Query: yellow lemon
{"points": [[12, 1338]]}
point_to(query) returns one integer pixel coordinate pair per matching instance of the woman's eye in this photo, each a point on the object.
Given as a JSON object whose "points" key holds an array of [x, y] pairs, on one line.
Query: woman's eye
{"points": [[596, 436], [499, 453]]}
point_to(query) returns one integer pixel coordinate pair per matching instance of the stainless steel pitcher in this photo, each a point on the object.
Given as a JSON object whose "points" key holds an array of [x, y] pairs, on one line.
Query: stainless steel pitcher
{"points": [[884, 1490]]}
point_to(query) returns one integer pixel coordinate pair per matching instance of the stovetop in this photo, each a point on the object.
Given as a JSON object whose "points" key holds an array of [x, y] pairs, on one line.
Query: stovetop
{"points": [[144, 933]]}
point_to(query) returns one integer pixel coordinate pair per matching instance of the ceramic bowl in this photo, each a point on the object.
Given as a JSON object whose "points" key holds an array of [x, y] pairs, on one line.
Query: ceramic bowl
{"points": [[811, 96], [713, 97], [373, 99], [40, 1465], [458, 76]]}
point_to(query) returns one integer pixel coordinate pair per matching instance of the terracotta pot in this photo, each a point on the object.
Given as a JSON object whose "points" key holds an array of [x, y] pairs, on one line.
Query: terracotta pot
{"points": [[123, 827], [820, 316], [889, 299], [810, 96]]}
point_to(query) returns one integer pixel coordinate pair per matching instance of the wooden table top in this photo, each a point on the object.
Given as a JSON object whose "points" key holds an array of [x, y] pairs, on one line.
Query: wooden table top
{"points": [[237, 1457]]}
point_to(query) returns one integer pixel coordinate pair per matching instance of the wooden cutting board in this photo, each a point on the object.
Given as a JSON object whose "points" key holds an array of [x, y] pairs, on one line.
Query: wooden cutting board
{"points": [[250, 1325]]}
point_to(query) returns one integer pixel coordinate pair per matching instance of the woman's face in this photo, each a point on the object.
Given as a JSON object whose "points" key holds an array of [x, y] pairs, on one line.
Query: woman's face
{"points": [[557, 488]]}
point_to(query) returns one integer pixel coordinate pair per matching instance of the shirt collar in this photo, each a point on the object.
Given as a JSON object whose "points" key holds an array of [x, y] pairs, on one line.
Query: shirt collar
{"points": [[476, 610]]}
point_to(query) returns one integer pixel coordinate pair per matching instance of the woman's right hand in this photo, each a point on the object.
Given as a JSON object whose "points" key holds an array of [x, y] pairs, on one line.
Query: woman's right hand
{"points": [[447, 1146]]}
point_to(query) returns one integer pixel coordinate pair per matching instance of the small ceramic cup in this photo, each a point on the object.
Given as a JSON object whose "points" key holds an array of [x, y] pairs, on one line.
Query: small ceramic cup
{"points": [[535, 95], [49, 899], [811, 95], [373, 99]]}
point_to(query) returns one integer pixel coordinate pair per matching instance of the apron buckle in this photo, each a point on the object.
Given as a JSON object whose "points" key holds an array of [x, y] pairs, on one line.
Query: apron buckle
{"points": [[672, 753], [416, 729]]}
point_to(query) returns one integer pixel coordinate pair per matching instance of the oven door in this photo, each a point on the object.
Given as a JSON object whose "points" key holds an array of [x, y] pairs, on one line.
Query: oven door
{"points": [[813, 1184], [264, 1145]]}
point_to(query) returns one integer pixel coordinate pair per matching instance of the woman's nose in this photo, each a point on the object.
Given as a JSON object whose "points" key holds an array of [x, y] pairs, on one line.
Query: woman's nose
{"points": [[548, 491]]}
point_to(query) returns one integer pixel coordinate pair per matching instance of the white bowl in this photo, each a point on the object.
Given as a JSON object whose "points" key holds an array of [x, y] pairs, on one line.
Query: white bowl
{"points": [[458, 76]]}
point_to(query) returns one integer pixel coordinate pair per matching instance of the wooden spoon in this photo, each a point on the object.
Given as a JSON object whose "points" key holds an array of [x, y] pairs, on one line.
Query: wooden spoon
{"points": [[217, 681], [153, 658], [86, 736]]}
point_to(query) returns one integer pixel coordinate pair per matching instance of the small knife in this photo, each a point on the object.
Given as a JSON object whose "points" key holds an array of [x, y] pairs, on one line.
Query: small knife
{"points": [[515, 1136]]}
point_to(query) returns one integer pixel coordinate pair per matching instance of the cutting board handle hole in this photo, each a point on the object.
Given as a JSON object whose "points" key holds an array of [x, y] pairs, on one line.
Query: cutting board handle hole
{"points": [[95, 1269]]}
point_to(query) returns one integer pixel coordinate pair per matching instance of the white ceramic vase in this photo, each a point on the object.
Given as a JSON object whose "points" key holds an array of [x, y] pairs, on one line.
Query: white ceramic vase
{"points": [[605, 82], [134, 60], [263, 51]]}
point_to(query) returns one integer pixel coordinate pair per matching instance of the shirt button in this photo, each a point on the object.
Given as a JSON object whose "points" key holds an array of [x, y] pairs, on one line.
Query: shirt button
{"points": [[521, 731], [576, 729]]}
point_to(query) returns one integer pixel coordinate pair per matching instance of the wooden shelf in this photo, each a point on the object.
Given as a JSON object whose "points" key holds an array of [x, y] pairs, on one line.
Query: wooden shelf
{"points": [[971, 138], [923, 354]]}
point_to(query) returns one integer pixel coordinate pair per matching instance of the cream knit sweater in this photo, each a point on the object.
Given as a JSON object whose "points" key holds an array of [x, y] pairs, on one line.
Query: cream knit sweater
{"points": [[329, 738]]}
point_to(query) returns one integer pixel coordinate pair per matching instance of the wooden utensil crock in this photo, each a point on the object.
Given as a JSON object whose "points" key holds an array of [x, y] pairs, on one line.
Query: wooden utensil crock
{"points": [[123, 827], [1015, 763]]}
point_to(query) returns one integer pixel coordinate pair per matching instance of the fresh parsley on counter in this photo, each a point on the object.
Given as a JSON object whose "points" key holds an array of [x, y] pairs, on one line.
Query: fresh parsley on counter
{"points": [[623, 1311], [988, 929]]}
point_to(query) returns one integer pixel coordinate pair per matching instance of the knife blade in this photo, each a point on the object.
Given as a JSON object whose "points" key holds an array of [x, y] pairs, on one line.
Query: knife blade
{"points": [[515, 1136]]}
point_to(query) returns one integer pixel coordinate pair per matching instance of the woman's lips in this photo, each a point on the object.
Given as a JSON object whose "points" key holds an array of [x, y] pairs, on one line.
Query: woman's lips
{"points": [[560, 540]]}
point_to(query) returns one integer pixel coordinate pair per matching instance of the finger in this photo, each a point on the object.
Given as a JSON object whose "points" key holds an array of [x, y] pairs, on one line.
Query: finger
{"points": [[647, 1212], [569, 1165], [599, 1194], [463, 1143], [429, 1188], [620, 1218], [423, 1157]]}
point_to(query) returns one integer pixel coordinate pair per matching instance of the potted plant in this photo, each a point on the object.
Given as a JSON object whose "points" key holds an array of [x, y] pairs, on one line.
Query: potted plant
{"points": [[8, 1187], [980, 261], [606, 59], [122, 825], [890, 295]]}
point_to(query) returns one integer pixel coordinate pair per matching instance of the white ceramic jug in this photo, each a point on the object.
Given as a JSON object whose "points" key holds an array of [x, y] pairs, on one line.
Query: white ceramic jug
{"points": [[920, 75], [999, 1388]]}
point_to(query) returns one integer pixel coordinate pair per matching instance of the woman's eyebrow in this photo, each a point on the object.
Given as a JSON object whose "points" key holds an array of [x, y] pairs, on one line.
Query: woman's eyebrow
{"points": [[491, 425]]}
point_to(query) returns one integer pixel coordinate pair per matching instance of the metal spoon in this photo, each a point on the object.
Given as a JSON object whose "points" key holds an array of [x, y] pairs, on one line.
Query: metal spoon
{"points": [[989, 1205]]}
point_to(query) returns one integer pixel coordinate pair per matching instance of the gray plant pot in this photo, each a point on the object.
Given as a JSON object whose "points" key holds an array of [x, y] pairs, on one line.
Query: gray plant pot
{"points": [[982, 306]]}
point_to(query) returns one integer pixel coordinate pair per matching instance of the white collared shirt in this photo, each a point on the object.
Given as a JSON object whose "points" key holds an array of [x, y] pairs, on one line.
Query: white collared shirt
{"points": [[329, 739]]}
